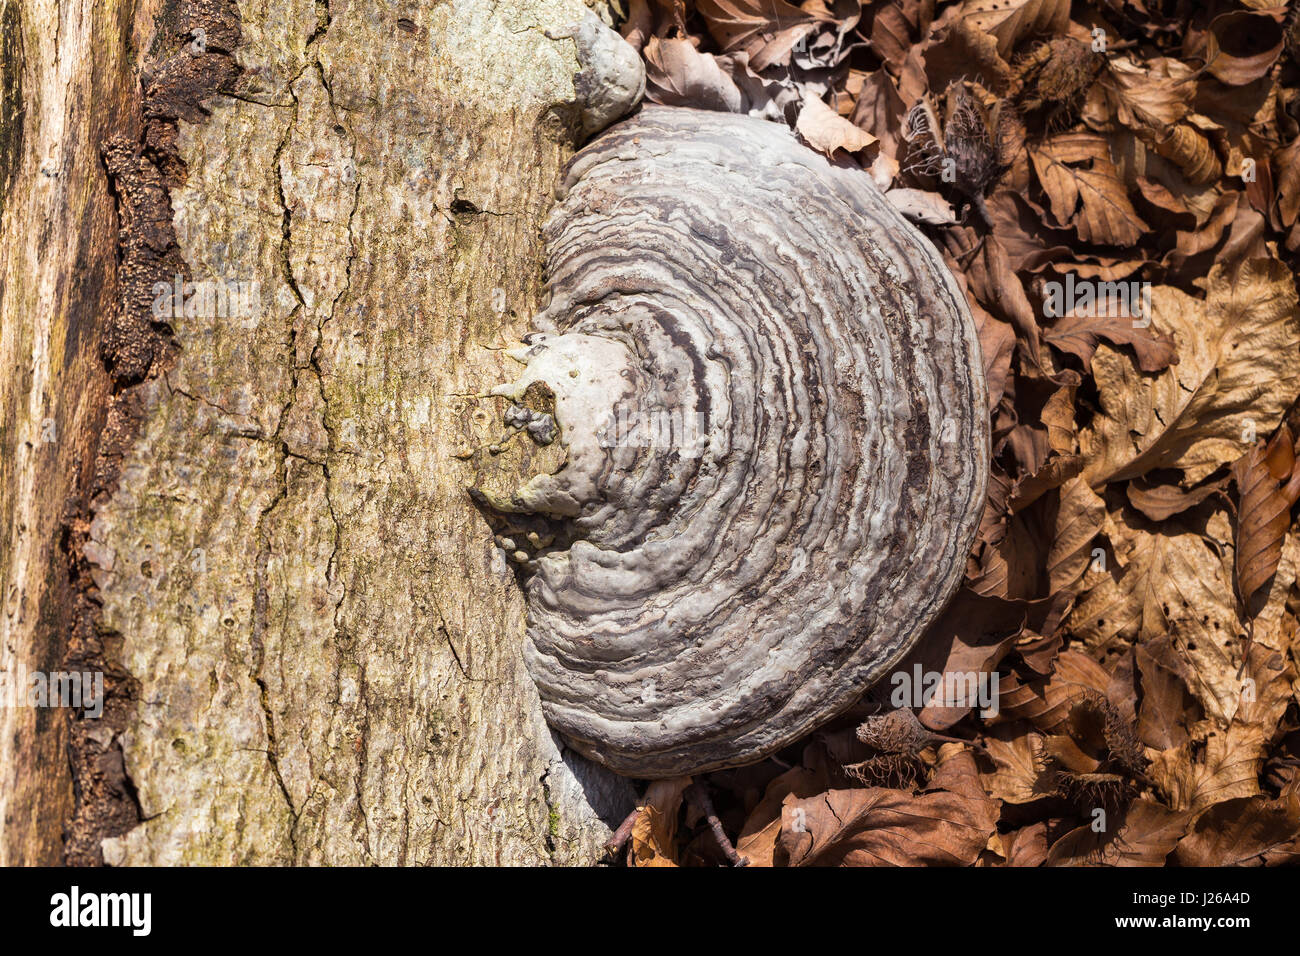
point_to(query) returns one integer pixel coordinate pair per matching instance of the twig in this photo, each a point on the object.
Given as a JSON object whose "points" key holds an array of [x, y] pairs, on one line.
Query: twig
{"points": [[623, 833], [697, 795]]}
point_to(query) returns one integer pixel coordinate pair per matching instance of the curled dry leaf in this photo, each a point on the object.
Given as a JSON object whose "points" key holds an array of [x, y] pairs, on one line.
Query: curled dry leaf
{"points": [[1010, 21], [1159, 502], [1047, 703], [920, 205], [827, 131], [1080, 334], [1146, 97], [1242, 46], [879, 110], [758, 838], [765, 30], [654, 834], [1268, 484], [1191, 151], [677, 74]]}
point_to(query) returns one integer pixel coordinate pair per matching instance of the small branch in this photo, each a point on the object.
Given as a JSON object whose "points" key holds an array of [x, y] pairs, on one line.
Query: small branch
{"points": [[623, 833], [697, 795]]}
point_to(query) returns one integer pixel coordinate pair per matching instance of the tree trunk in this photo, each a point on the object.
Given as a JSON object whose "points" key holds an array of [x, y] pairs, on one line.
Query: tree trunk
{"points": [[253, 519]]}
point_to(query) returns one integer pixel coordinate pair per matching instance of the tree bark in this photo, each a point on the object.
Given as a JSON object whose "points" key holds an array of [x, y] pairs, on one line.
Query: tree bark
{"points": [[256, 522]]}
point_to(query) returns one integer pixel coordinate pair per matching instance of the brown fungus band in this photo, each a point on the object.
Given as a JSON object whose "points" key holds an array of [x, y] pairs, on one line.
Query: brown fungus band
{"points": [[771, 399]]}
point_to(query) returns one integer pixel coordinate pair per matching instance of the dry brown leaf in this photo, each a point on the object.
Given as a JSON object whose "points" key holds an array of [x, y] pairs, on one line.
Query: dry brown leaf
{"points": [[1242, 46], [758, 838], [972, 636], [1078, 521], [677, 74], [964, 50], [1173, 582], [1239, 353], [1191, 151], [1227, 765], [1144, 835], [879, 110], [1287, 161], [1168, 709], [1242, 831], [1018, 225], [1159, 502], [1026, 846], [891, 36], [1145, 96], [1047, 703], [1081, 334], [1018, 774], [1268, 484], [1084, 188], [1227, 769], [921, 205], [998, 341], [827, 131], [1011, 21], [765, 30], [947, 824], [654, 834]]}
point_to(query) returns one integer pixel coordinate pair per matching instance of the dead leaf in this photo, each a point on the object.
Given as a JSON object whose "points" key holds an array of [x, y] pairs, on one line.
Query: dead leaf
{"points": [[765, 30], [1268, 484], [1190, 149], [1237, 353], [1144, 836], [1018, 775], [1011, 21], [1159, 502], [920, 205], [679, 75], [947, 824], [1172, 582], [1084, 188], [1078, 521], [654, 833], [1047, 703], [1146, 96], [1080, 335], [1287, 161], [1243, 46], [758, 838], [826, 131], [1240, 832]]}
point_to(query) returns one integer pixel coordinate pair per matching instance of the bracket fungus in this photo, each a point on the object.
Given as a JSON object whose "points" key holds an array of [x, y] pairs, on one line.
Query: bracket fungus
{"points": [[770, 397]]}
